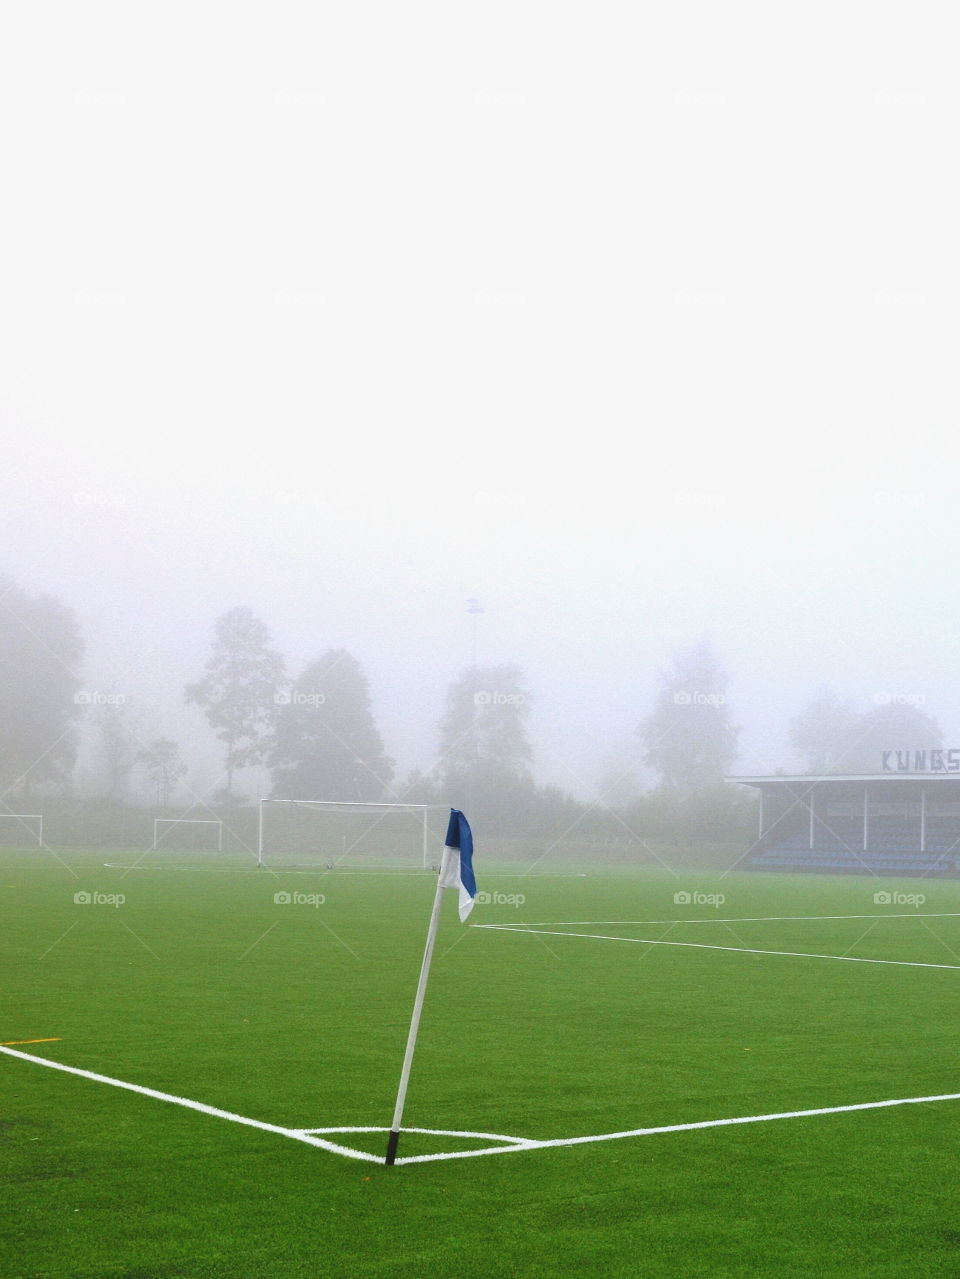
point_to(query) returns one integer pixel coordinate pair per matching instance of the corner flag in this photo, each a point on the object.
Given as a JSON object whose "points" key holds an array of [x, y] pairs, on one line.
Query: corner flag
{"points": [[457, 869]]}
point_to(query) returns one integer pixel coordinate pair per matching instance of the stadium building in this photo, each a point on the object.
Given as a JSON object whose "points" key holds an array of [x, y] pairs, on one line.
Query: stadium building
{"points": [[904, 820]]}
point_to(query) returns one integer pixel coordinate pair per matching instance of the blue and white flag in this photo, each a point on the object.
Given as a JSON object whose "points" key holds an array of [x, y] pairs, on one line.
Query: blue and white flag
{"points": [[457, 869]]}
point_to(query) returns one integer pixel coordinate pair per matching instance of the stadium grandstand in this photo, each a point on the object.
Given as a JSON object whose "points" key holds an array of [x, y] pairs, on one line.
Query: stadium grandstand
{"points": [[904, 820]]}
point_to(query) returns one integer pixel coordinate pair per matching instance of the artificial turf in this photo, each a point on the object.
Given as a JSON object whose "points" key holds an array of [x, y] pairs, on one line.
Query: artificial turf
{"points": [[200, 985]]}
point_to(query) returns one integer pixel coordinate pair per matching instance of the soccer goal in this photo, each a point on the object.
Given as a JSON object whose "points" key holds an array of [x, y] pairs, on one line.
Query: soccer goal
{"points": [[331, 835], [198, 841], [21, 830]]}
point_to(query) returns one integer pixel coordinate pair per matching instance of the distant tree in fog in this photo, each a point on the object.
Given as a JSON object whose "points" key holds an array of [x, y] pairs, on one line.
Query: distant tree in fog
{"points": [[825, 732], [889, 727], [161, 760], [239, 690], [40, 650], [836, 738], [118, 745], [484, 754], [618, 785], [418, 788], [689, 738], [326, 743]]}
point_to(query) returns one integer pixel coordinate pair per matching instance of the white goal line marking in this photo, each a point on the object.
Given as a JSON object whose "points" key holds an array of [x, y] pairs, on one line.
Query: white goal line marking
{"points": [[699, 945], [707, 1123], [298, 1134], [309, 1135]]}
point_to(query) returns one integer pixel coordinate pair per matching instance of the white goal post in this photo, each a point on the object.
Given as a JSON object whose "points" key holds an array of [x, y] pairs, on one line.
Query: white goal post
{"points": [[375, 812], [187, 821], [23, 819]]}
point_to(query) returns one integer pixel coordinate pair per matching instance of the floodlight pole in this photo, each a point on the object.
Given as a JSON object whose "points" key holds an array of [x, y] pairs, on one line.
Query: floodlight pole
{"points": [[474, 608], [394, 1137]]}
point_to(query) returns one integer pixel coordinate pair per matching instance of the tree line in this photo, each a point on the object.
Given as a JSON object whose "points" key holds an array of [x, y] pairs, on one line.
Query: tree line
{"points": [[315, 732]]}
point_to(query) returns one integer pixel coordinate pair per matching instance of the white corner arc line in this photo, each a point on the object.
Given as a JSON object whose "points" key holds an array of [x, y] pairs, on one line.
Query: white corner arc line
{"points": [[699, 945], [432, 1132]]}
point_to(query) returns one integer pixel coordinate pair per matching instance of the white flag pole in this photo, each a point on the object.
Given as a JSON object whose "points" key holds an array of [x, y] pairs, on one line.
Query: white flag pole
{"points": [[394, 1137]]}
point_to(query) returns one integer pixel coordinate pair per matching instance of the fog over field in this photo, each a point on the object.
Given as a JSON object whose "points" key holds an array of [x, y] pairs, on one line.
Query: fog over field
{"points": [[597, 317]]}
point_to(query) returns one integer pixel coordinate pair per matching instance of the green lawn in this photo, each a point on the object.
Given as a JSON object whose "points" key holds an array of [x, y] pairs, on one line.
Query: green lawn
{"points": [[200, 985]]}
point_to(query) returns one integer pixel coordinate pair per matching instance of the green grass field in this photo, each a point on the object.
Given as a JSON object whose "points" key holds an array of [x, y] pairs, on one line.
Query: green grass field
{"points": [[200, 985]]}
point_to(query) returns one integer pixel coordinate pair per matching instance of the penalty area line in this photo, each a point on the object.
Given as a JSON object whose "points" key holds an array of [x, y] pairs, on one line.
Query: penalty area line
{"points": [[699, 945]]}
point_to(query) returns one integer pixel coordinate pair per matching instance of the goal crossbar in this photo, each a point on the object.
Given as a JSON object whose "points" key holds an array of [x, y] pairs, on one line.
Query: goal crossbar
{"points": [[352, 806], [23, 818]]}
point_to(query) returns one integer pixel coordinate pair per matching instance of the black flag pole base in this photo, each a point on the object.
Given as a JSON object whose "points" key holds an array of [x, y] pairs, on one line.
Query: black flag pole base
{"points": [[392, 1141]]}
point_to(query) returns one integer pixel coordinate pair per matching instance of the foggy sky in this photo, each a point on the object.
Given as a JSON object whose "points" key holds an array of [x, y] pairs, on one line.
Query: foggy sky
{"points": [[636, 325]]}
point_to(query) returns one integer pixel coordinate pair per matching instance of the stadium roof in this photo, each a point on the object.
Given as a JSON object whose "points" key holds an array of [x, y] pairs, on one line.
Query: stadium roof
{"points": [[784, 778]]}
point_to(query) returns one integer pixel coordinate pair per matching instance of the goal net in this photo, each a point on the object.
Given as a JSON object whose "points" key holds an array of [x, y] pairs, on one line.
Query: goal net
{"points": [[314, 834], [21, 830]]}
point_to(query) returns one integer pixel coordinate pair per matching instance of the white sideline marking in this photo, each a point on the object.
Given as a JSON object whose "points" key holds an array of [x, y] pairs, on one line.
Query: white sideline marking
{"points": [[308, 1135], [255, 870], [743, 919], [699, 945]]}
